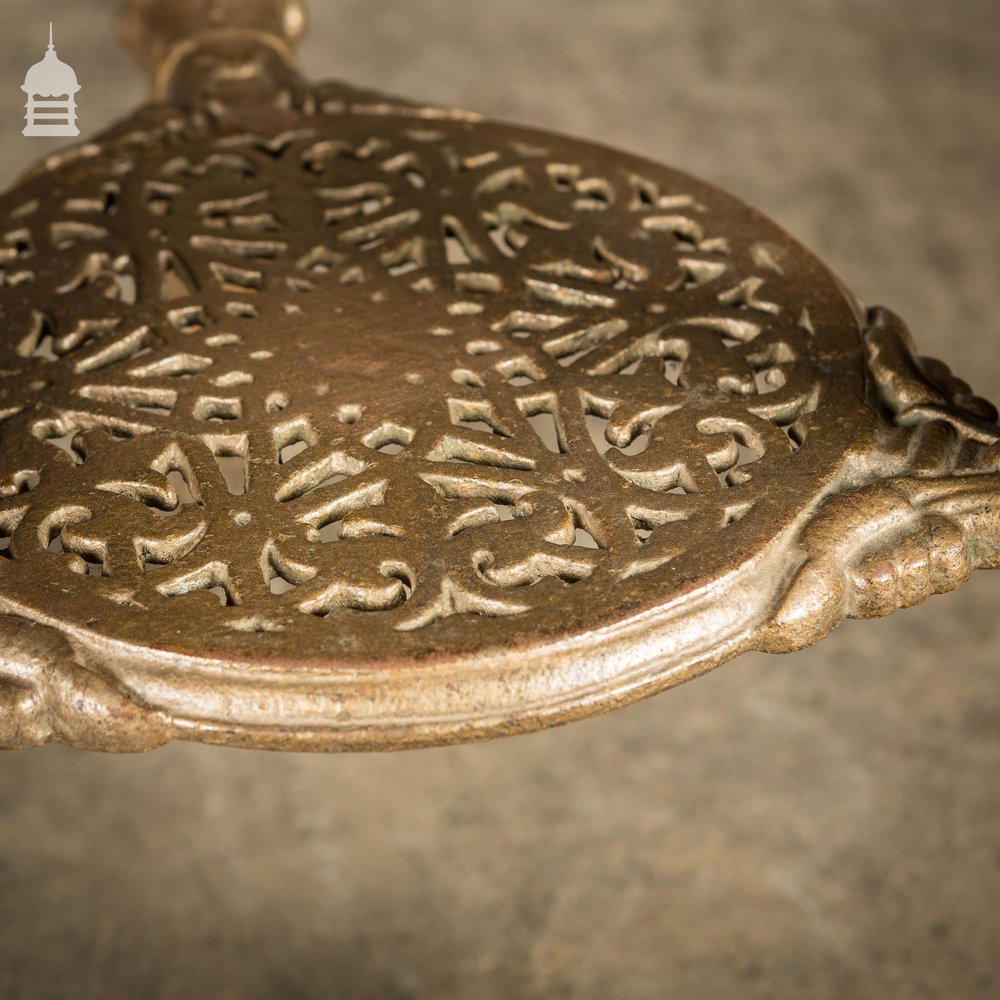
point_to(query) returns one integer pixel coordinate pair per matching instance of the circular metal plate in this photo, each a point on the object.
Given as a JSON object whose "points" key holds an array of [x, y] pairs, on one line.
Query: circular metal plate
{"points": [[365, 424]]}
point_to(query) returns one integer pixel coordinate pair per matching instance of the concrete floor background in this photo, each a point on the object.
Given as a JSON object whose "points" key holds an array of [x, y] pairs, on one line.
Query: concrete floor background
{"points": [[825, 825]]}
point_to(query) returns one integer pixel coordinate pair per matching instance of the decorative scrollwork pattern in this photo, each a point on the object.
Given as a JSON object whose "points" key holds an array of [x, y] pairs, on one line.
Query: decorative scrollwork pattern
{"points": [[382, 369], [332, 420]]}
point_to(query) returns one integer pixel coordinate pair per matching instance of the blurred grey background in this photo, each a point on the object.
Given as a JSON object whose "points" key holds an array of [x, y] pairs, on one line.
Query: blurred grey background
{"points": [[825, 825]]}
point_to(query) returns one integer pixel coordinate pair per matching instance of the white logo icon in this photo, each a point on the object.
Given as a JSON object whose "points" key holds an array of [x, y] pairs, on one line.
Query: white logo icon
{"points": [[50, 86]]}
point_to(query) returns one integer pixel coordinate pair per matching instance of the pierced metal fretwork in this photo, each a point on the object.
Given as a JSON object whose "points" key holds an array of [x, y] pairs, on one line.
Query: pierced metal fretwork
{"points": [[328, 420]]}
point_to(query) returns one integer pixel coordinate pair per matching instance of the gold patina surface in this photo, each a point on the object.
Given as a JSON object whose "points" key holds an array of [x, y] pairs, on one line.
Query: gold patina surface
{"points": [[332, 421]]}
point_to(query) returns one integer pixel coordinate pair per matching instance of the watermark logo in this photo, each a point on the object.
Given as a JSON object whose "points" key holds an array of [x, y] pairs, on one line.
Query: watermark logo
{"points": [[51, 86]]}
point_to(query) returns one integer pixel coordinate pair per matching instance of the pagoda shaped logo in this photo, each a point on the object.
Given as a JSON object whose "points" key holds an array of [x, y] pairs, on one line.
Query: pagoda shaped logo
{"points": [[51, 86]]}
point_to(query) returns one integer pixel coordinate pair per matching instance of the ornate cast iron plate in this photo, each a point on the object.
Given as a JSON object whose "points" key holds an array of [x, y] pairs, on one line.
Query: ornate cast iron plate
{"points": [[329, 421]]}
